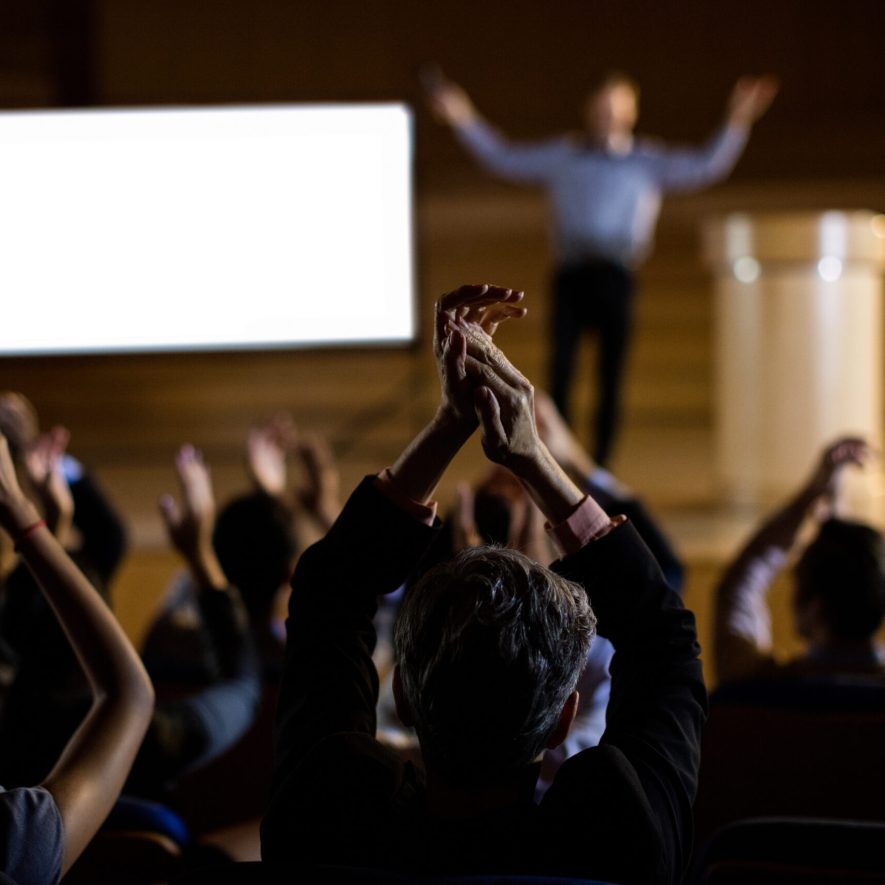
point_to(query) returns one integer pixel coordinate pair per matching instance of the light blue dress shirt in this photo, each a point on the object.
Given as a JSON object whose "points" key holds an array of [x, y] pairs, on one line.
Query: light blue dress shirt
{"points": [[604, 204]]}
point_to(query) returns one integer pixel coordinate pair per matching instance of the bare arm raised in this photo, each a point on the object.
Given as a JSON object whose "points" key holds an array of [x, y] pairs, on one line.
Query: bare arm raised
{"points": [[88, 777], [419, 468], [742, 629]]}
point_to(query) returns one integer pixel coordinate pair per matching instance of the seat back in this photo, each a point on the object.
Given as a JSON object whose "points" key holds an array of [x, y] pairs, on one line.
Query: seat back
{"points": [[809, 748], [243, 873], [784, 851]]}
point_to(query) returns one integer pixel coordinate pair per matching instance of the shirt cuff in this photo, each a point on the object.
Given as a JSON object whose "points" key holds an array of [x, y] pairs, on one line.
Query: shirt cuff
{"points": [[587, 522], [423, 513]]}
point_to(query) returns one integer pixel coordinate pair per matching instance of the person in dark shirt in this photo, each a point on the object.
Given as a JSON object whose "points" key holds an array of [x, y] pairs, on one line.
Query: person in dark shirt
{"points": [[489, 648]]}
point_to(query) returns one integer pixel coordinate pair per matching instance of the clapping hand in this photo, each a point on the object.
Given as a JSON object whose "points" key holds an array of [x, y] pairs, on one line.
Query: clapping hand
{"points": [[478, 311], [43, 463], [12, 498], [267, 449], [503, 401], [838, 455], [190, 523], [319, 494]]}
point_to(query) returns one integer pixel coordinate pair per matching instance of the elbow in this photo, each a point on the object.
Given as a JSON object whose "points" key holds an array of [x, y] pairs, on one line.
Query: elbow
{"points": [[141, 695], [132, 694]]}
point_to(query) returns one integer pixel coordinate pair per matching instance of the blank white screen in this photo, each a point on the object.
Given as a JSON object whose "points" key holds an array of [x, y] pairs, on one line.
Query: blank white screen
{"points": [[200, 228]]}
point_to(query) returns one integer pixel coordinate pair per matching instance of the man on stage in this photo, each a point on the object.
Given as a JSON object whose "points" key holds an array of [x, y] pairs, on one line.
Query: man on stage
{"points": [[604, 188]]}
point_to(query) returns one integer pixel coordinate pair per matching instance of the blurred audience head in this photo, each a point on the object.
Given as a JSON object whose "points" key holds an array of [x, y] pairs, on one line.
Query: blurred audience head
{"points": [[489, 648], [255, 543], [840, 583], [494, 501]]}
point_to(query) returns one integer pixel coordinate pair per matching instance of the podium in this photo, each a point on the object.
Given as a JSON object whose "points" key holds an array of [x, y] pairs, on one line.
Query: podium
{"points": [[798, 343]]}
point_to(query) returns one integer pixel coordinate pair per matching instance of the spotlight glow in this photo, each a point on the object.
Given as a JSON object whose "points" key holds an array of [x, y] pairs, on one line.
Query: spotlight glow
{"points": [[829, 268], [746, 269]]}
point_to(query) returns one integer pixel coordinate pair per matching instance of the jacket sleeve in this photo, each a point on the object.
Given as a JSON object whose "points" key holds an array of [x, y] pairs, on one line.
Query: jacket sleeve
{"points": [[658, 702], [329, 683]]}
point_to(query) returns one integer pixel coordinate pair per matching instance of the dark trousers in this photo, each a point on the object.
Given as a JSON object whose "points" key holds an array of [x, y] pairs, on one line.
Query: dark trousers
{"points": [[596, 295]]}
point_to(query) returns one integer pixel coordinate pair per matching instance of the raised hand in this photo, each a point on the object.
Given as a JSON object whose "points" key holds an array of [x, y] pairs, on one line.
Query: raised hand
{"points": [[504, 403], [43, 463], [190, 524], [476, 309], [751, 98], [464, 532], [18, 421], [319, 494], [12, 498], [503, 400], [267, 449], [838, 455], [449, 102], [416, 472]]}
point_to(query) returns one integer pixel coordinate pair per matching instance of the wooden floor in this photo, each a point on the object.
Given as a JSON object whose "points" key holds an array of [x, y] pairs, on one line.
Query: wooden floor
{"points": [[128, 414]]}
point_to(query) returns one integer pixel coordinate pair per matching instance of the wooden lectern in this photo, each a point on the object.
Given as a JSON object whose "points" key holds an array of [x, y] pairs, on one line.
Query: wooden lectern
{"points": [[798, 307]]}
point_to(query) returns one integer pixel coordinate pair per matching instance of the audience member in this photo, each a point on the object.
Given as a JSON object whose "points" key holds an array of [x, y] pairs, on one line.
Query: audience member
{"points": [[256, 539], [188, 732], [839, 598], [70, 497], [44, 829], [498, 511], [47, 693], [489, 649], [49, 696]]}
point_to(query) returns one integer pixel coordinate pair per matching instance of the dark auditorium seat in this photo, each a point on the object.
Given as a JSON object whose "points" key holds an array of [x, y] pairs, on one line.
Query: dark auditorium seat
{"points": [[797, 748], [790, 851], [243, 873], [140, 842]]}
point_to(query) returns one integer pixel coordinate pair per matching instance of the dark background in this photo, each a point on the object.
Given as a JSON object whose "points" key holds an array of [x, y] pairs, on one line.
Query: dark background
{"points": [[527, 63]]}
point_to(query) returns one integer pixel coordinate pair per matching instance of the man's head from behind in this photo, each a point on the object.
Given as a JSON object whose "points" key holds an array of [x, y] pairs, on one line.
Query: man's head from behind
{"points": [[612, 107], [840, 583], [489, 648]]}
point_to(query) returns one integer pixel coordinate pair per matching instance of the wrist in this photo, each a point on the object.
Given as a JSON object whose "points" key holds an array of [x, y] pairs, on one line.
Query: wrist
{"points": [[17, 515], [548, 485], [451, 424]]}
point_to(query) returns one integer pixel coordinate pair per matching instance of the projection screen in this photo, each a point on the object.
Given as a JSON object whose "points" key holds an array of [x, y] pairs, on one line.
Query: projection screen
{"points": [[204, 228]]}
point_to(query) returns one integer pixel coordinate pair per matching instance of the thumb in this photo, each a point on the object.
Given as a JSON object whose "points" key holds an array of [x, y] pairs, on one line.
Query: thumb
{"points": [[488, 410]]}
